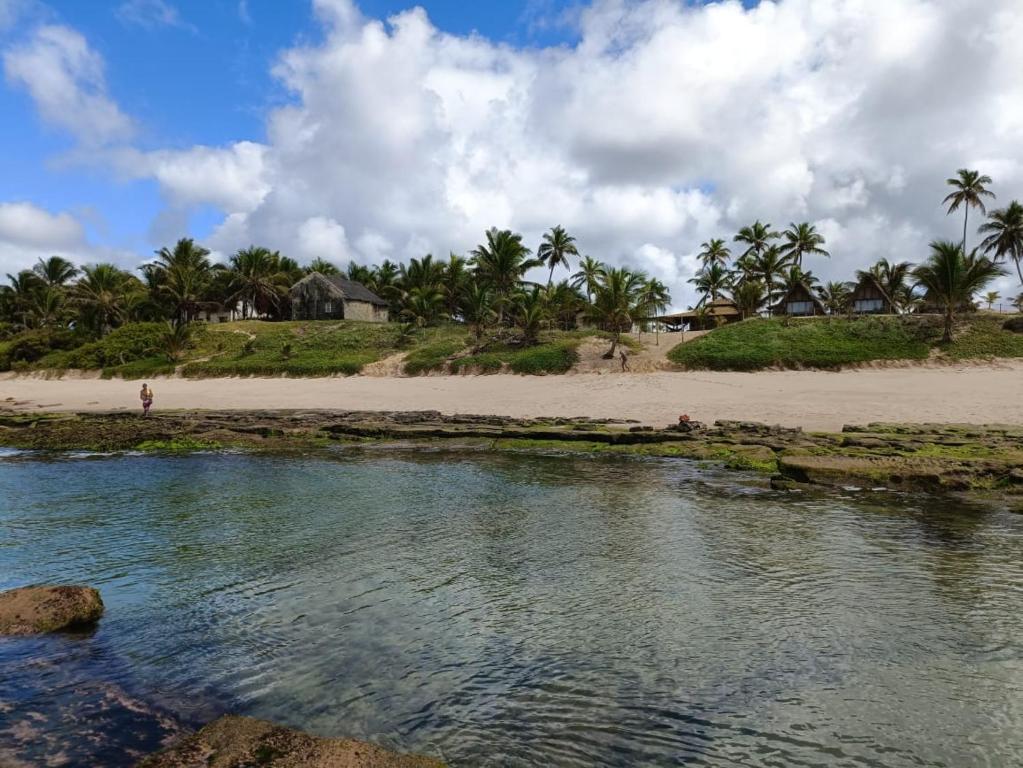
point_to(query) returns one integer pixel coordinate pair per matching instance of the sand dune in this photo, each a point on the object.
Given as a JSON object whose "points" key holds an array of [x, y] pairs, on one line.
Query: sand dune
{"points": [[811, 399]]}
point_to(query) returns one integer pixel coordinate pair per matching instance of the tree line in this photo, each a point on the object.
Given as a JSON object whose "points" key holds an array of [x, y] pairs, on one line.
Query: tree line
{"points": [[770, 263]]}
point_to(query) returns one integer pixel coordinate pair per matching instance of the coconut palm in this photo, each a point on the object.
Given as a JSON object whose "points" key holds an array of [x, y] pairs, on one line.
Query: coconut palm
{"points": [[749, 296], [1004, 230], [55, 271], [423, 305], [712, 282], [477, 308], [615, 302], [893, 279], [179, 277], [555, 249], [800, 240], [756, 237], [454, 280], [951, 278], [835, 296], [968, 191], [21, 294], [588, 276], [322, 266], [990, 298], [257, 279], [565, 303], [770, 268], [102, 293], [654, 298], [1018, 303], [500, 263], [530, 313], [714, 252]]}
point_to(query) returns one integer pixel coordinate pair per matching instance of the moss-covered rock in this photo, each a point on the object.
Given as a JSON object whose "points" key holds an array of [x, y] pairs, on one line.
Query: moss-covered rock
{"points": [[40, 609], [243, 742]]}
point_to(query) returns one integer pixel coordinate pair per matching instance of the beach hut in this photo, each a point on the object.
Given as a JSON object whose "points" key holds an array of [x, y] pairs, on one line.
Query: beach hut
{"points": [[333, 297], [799, 301], [869, 298], [712, 315]]}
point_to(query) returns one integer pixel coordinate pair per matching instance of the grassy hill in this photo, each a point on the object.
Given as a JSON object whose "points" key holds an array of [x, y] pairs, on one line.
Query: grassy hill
{"points": [[833, 342], [255, 348]]}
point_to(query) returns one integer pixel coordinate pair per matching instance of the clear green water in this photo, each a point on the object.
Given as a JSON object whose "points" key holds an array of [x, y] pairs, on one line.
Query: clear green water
{"points": [[512, 610]]}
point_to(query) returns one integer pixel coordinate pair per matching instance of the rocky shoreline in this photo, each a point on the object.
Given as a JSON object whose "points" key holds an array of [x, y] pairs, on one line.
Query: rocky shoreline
{"points": [[983, 461]]}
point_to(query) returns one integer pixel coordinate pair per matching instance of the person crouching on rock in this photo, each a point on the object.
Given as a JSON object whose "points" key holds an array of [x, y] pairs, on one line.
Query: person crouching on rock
{"points": [[146, 396]]}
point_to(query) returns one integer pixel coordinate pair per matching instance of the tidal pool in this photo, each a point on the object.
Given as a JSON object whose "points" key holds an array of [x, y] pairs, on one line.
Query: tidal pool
{"points": [[511, 610]]}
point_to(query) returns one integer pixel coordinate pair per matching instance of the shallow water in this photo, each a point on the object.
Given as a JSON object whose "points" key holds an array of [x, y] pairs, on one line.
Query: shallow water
{"points": [[512, 610]]}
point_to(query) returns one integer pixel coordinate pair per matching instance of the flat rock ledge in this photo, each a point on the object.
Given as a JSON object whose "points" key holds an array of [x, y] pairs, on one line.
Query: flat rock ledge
{"points": [[243, 742], [40, 609]]}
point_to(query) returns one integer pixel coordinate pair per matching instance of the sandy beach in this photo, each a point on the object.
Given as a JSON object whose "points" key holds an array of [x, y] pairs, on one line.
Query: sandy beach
{"points": [[812, 399]]}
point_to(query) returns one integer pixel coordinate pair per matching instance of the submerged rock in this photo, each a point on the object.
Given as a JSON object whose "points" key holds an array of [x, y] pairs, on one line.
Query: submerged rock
{"points": [[240, 742], [33, 610]]}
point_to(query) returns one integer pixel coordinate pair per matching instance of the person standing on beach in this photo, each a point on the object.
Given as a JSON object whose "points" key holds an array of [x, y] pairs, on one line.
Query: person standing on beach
{"points": [[146, 396]]}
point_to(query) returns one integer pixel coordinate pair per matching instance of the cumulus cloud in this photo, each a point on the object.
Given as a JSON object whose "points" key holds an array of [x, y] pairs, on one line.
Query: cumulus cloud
{"points": [[65, 78], [667, 123]]}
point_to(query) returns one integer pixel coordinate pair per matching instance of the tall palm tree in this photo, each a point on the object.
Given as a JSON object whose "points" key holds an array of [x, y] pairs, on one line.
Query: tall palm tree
{"points": [[555, 249], [712, 282], [456, 276], [802, 239], [990, 298], [968, 191], [55, 271], [714, 251], [770, 268], [835, 296], [1004, 230], [952, 278], [588, 276], [893, 277], [615, 302], [749, 296], [654, 298], [21, 294], [757, 237], [179, 277], [565, 303], [500, 263]]}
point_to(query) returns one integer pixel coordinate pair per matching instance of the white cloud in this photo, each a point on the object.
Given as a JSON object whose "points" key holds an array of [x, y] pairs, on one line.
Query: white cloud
{"points": [[66, 80], [28, 225], [668, 123], [151, 14]]}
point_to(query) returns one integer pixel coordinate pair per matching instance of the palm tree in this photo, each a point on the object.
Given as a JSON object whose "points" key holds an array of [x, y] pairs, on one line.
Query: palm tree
{"points": [[749, 296], [1018, 303], [952, 278], [991, 297], [565, 303], [55, 271], [588, 276], [1004, 229], [712, 282], [714, 252], [770, 267], [756, 237], [835, 296], [802, 239], [530, 313], [969, 192], [555, 249], [654, 298], [322, 266], [103, 294], [477, 308], [22, 293], [423, 305], [893, 279], [179, 276], [501, 263], [615, 302], [257, 279], [456, 276]]}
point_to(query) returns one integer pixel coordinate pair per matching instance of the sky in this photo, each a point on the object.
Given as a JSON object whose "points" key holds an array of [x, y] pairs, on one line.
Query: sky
{"points": [[384, 129]]}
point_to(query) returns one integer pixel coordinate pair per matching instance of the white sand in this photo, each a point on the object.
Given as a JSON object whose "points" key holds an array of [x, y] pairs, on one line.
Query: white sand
{"points": [[811, 399]]}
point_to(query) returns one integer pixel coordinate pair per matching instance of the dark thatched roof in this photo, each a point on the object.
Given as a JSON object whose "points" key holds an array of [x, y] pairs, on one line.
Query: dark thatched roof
{"points": [[866, 282], [799, 291], [349, 290]]}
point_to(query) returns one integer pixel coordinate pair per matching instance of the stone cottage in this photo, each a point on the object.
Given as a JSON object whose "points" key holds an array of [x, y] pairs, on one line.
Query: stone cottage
{"points": [[333, 297]]}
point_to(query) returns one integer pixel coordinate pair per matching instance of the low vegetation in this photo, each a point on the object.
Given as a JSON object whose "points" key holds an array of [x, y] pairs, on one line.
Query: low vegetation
{"points": [[833, 342]]}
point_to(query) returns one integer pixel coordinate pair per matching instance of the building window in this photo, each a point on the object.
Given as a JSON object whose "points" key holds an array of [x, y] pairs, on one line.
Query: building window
{"points": [[800, 308], [868, 305], [328, 307]]}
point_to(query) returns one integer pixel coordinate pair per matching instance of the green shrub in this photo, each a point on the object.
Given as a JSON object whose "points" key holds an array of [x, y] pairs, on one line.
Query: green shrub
{"points": [[27, 347], [123, 345], [431, 357]]}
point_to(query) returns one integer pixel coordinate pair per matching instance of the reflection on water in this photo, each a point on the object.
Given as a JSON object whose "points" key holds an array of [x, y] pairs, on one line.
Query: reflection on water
{"points": [[511, 610]]}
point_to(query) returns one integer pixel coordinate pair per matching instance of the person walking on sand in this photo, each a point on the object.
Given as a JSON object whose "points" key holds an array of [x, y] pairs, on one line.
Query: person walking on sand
{"points": [[625, 359], [146, 396]]}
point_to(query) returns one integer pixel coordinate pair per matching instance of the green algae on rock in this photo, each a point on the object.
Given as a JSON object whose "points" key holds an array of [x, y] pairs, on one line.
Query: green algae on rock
{"points": [[242, 742]]}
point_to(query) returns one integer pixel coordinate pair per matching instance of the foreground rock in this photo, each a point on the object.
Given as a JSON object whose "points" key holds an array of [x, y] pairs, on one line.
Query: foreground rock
{"points": [[241, 742], [34, 610]]}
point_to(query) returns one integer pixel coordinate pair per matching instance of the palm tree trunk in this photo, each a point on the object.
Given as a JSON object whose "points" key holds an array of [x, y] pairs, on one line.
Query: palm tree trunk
{"points": [[949, 317], [966, 218]]}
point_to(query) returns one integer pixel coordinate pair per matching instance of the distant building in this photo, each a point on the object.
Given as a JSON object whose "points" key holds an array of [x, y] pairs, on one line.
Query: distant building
{"points": [[800, 301], [709, 316], [333, 297], [869, 298]]}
